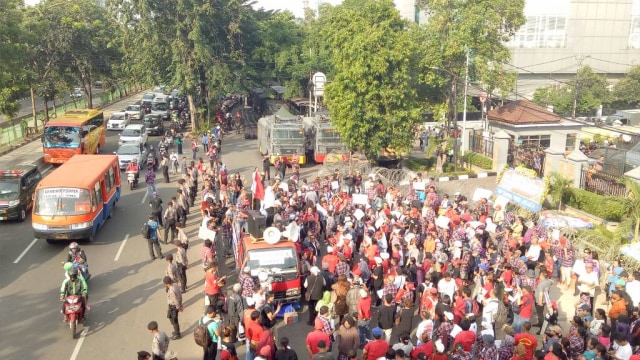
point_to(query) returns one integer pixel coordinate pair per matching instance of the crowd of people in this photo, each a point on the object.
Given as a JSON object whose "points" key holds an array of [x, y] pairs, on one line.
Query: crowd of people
{"points": [[399, 273]]}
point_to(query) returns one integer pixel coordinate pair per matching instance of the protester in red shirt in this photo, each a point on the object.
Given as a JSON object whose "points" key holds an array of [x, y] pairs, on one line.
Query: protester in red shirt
{"points": [[212, 284], [376, 348], [330, 259], [425, 347], [466, 337], [313, 337], [527, 340], [254, 331]]}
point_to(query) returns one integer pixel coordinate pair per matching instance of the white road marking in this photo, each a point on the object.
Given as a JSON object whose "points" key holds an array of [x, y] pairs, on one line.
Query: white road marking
{"points": [[144, 198], [124, 242], [17, 260], [76, 350]]}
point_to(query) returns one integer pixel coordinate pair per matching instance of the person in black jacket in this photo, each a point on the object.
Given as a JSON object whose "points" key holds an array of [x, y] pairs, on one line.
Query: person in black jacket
{"points": [[285, 352], [386, 316]]}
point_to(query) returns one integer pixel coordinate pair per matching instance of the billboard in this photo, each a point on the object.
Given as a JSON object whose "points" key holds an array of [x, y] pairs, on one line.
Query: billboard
{"points": [[522, 190]]}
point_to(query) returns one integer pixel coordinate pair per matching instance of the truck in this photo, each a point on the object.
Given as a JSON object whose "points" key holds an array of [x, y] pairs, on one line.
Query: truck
{"points": [[277, 258], [624, 117], [323, 138], [282, 134]]}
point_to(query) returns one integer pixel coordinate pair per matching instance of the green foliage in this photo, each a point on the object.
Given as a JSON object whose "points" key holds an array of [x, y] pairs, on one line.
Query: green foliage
{"points": [[478, 160], [560, 188], [592, 91], [603, 207], [372, 99], [12, 57], [626, 93], [420, 164], [631, 205]]}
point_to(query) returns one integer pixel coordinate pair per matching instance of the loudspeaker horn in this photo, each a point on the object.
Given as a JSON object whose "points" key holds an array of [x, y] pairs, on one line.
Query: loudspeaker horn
{"points": [[292, 231], [271, 235]]}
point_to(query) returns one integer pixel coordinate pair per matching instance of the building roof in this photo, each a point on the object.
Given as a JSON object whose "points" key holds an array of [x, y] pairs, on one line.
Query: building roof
{"points": [[523, 112]]}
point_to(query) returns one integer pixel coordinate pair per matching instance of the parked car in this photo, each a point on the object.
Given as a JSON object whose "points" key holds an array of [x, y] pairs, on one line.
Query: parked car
{"points": [[118, 121], [153, 124], [76, 93], [135, 112], [136, 134], [127, 152], [97, 84]]}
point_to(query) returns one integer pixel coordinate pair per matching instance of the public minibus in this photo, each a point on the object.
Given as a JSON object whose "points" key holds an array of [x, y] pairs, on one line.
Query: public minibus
{"points": [[76, 199], [76, 132]]}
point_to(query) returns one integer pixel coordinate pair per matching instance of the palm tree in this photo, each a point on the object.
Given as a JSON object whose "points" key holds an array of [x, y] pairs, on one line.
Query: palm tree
{"points": [[631, 205], [560, 188]]}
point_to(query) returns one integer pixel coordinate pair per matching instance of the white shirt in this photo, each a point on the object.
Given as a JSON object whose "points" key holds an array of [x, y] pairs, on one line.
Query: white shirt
{"points": [[422, 327], [624, 352], [588, 282], [490, 310], [269, 198], [533, 253], [633, 289], [447, 287]]}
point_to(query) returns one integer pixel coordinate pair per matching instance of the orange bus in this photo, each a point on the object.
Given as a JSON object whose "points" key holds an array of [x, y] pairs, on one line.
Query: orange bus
{"points": [[76, 199], [79, 131]]}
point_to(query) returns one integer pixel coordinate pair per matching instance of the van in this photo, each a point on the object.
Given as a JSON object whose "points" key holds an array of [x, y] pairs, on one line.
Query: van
{"points": [[16, 191]]}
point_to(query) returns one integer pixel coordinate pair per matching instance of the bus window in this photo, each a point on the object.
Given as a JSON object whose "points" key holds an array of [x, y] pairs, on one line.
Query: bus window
{"points": [[98, 191], [97, 120], [109, 180]]}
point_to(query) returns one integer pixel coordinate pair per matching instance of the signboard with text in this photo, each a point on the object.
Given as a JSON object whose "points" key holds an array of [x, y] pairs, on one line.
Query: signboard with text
{"points": [[521, 190]]}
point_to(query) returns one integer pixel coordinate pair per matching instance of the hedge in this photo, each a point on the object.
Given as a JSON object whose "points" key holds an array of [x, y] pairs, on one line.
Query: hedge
{"points": [[478, 160], [606, 208]]}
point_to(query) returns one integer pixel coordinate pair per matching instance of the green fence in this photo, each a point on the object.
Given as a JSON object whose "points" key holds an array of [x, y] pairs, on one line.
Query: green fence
{"points": [[24, 128]]}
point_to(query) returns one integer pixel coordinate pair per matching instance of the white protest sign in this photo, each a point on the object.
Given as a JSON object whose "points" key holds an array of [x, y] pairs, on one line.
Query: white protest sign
{"points": [[442, 222], [360, 199], [502, 201], [359, 214], [481, 193]]}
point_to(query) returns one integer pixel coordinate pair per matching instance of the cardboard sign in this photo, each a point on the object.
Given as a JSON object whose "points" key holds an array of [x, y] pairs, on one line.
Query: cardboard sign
{"points": [[418, 186], [358, 214], [481, 193], [335, 185], [360, 199], [442, 222]]}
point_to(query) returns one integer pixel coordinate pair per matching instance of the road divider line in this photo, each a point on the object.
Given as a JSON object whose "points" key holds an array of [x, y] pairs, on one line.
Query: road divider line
{"points": [[76, 350], [144, 198], [17, 260], [124, 242]]}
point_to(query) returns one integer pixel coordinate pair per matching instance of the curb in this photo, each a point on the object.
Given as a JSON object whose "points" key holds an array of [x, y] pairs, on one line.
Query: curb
{"points": [[467, 177]]}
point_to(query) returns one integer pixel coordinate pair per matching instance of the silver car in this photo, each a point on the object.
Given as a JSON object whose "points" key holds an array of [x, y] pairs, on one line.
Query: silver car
{"points": [[135, 112], [127, 152]]}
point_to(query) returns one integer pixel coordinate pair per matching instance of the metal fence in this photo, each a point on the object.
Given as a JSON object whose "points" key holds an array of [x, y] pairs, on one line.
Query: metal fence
{"points": [[480, 144], [600, 182]]}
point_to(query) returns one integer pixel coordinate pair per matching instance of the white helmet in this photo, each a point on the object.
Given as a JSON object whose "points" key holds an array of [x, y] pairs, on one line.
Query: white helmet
{"points": [[73, 245]]}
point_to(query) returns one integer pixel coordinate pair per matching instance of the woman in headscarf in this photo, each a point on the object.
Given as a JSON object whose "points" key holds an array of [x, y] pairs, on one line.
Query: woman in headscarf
{"points": [[340, 290], [326, 301]]}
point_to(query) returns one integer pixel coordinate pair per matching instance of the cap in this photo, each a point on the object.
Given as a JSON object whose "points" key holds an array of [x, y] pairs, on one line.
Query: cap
{"points": [[246, 269], [376, 332], [384, 256], [488, 339], [554, 304], [314, 270], [250, 301]]}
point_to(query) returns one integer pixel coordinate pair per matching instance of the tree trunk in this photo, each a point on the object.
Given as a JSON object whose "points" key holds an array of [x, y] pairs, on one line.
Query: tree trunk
{"points": [[33, 107], [637, 230], [46, 110], [89, 96], [64, 103], [55, 107], [193, 113]]}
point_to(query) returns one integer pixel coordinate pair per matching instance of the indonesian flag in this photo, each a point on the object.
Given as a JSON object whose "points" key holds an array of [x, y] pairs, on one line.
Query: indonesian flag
{"points": [[257, 187]]}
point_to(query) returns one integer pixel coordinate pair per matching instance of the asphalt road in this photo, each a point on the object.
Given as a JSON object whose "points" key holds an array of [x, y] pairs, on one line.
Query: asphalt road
{"points": [[25, 103], [126, 290]]}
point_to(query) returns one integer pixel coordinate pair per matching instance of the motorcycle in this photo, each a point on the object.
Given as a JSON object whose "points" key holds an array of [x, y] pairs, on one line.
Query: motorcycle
{"points": [[73, 312], [131, 179]]}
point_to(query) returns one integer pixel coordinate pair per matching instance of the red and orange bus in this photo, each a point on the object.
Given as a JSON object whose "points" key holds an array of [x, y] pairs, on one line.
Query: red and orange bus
{"points": [[76, 199], [79, 131]]}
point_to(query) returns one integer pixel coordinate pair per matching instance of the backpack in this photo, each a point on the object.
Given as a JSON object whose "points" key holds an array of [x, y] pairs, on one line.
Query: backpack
{"points": [[501, 315], [201, 334], [472, 306], [146, 231]]}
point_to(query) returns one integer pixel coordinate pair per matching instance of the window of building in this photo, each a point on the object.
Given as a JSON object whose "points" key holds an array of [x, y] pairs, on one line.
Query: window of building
{"points": [[543, 141], [546, 25], [634, 36], [570, 144]]}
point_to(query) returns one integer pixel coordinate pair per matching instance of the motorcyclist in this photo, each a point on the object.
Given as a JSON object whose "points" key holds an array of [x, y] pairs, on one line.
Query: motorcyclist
{"points": [[133, 166], [74, 285], [153, 157], [78, 258]]}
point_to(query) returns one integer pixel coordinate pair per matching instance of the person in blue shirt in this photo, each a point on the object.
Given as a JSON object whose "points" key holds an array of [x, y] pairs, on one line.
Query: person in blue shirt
{"points": [[205, 143], [153, 240]]}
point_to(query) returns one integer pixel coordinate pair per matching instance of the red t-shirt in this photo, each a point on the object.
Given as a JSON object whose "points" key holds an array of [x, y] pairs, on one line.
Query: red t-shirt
{"points": [[314, 337], [466, 339], [376, 349], [426, 348], [211, 283], [364, 308], [526, 307], [529, 342], [254, 331], [332, 261]]}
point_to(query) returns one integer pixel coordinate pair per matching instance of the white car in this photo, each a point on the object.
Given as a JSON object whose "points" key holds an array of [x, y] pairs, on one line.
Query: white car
{"points": [[133, 134], [76, 93], [118, 121], [135, 112]]}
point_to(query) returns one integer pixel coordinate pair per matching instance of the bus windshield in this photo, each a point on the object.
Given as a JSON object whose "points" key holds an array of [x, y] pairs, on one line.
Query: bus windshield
{"points": [[61, 137], [287, 134], [62, 201], [281, 258], [329, 134], [9, 188]]}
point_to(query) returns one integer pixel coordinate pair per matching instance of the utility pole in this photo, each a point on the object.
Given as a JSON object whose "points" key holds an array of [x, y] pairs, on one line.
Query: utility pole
{"points": [[464, 111], [580, 59]]}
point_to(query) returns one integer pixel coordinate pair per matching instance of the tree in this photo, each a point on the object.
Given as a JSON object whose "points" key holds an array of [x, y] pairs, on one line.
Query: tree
{"points": [[12, 56], [592, 91], [372, 97], [626, 93], [560, 188], [481, 27], [631, 204]]}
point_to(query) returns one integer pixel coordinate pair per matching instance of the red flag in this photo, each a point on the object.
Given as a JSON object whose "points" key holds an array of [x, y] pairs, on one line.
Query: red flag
{"points": [[257, 187]]}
